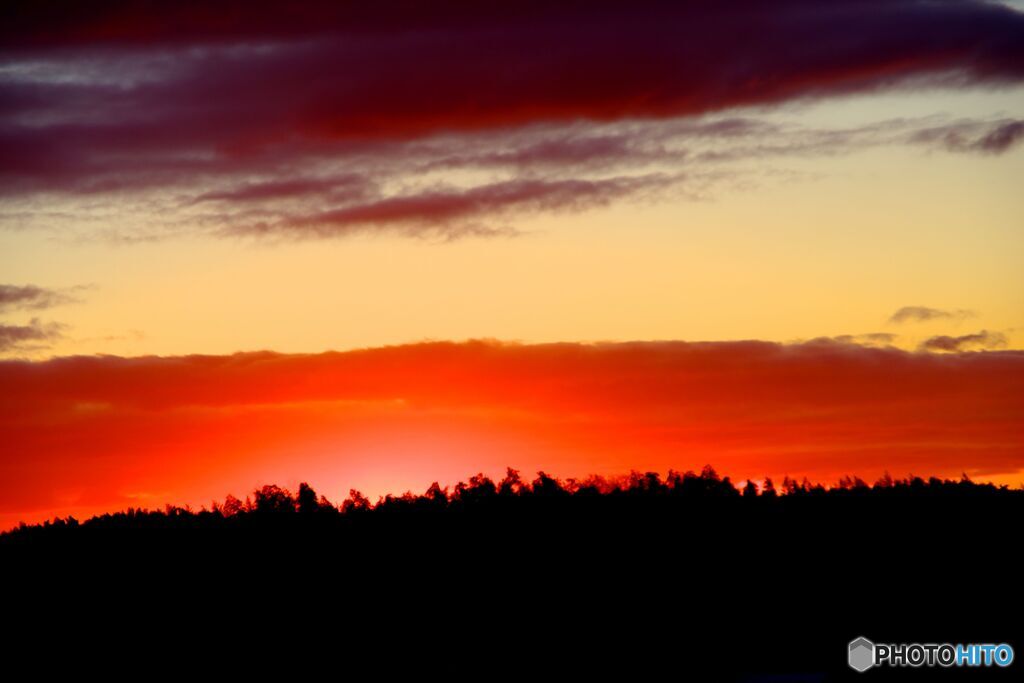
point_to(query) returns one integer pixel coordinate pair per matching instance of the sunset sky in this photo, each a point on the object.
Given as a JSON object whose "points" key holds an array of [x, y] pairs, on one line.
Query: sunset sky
{"points": [[375, 245]]}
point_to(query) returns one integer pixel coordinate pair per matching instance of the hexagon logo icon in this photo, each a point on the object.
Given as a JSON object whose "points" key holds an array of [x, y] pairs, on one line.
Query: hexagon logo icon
{"points": [[862, 654]]}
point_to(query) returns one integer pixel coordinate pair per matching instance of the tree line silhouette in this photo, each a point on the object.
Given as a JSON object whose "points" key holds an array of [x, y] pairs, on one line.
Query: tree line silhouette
{"points": [[272, 505], [601, 574]]}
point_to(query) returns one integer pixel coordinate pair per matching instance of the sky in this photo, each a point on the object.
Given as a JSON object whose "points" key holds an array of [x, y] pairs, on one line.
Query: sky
{"points": [[374, 247]]}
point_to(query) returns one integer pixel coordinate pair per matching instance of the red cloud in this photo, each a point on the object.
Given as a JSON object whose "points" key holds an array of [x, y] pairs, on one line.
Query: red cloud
{"points": [[88, 433]]}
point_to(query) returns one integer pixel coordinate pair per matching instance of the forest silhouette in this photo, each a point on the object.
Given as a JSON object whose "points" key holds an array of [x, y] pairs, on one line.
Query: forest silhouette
{"points": [[740, 582], [589, 504]]}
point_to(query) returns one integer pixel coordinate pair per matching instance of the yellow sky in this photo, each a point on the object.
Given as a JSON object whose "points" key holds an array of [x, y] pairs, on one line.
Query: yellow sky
{"points": [[798, 247]]}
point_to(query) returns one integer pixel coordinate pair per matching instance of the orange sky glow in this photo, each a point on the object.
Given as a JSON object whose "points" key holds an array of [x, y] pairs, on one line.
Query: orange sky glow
{"points": [[107, 433]]}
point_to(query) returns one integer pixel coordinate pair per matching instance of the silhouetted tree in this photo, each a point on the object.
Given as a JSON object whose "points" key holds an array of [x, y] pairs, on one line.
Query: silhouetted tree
{"points": [[437, 496], [479, 489], [512, 484], [790, 486], [356, 502], [547, 486], [646, 483], [306, 499], [273, 500], [232, 506]]}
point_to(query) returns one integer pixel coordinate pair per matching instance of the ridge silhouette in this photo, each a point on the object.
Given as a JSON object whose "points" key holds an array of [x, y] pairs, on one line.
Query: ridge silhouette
{"points": [[272, 507], [600, 575]]}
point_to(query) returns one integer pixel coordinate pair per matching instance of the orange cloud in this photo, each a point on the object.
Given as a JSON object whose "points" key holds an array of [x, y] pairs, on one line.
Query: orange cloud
{"points": [[84, 434]]}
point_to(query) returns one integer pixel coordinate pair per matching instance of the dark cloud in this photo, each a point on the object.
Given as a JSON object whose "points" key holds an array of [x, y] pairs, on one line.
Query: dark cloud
{"points": [[581, 151], [453, 212], [866, 339], [339, 188], [33, 298], [967, 342], [330, 107], [1001, 139], [150, 77], [347, 187], [971, 136], [925, 314], [32, 337]]}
